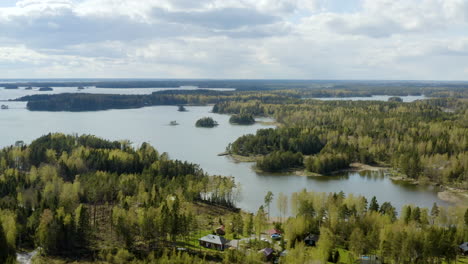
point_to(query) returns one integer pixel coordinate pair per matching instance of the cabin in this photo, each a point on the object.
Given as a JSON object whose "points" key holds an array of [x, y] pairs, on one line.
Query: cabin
{"points": [[311, 240], [214, 242], [464, 248], [274, 231]]}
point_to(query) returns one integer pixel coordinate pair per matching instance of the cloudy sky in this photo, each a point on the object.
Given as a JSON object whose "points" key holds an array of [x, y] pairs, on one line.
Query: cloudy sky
{"points": [[280, 39]]}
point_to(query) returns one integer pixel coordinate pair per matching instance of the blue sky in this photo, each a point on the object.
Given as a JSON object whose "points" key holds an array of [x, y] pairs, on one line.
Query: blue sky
{"points": [[280, 39]]}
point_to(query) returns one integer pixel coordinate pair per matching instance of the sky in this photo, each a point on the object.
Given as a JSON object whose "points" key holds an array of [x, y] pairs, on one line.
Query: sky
{"points": [[235, 39]]}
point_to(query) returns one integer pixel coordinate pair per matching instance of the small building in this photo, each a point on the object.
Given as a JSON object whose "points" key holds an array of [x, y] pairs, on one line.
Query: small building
{"points": [[214, 242], [274, 231], [311, 240], [464, 248], [268, 253]]}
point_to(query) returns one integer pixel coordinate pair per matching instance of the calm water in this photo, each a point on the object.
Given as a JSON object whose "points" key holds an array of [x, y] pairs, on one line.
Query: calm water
{"points": [[7, 94], [201, 145], [406, 99]]}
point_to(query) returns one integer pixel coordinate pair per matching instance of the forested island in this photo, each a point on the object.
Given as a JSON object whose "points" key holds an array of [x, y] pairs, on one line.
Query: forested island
{"points": [[263, 91], [87, 199], [424, 141], [242, 119], [206, 122], [45, 89]]}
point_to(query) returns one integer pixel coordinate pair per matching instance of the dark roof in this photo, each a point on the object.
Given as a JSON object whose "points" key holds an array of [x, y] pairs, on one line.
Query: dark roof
{"points": [[214, 239]]}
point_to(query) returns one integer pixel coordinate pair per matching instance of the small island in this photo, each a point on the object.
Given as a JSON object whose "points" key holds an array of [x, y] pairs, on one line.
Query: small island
{"points": [[395, 99], [173, 123], [242, 119], [182, 109], [206, 122], [45, 89], [11, 87], [28, 88]]}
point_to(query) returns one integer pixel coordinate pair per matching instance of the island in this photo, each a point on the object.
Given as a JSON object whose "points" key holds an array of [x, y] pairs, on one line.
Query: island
{"points": [[395, 99], [11, 86], [242, 119], [181, 108], [45, 89], [206, 122], [75, 102]]}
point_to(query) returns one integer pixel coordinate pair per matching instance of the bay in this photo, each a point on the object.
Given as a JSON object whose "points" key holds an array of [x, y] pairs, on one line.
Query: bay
{"points": [[201, 146]]}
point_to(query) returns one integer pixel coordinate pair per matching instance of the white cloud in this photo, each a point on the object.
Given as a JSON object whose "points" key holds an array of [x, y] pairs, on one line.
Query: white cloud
{"points": [[374, 39]]}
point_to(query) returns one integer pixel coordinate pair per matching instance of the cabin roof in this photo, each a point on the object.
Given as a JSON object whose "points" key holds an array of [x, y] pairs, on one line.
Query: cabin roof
{"points": [[214, 239], [274, 231], [267, 251]]}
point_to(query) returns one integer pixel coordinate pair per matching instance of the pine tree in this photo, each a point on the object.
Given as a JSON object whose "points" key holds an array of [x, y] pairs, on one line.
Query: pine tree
{"points": [[374, 205], [466, 217], [434, 212]]}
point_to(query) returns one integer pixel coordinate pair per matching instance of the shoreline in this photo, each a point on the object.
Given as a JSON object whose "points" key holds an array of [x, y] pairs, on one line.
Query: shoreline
{"points": [[448, 194], [454, 195], [353, 167], [239, 158]]}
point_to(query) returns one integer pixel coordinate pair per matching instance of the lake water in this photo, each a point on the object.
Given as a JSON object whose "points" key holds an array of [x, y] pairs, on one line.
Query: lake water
{"points": [[201, 146], [406, 99], [9, 94]]}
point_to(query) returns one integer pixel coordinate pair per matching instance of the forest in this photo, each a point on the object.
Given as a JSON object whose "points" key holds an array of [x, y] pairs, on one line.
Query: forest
{"points": [[78, 195], [424, 140], [93, 200]]}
